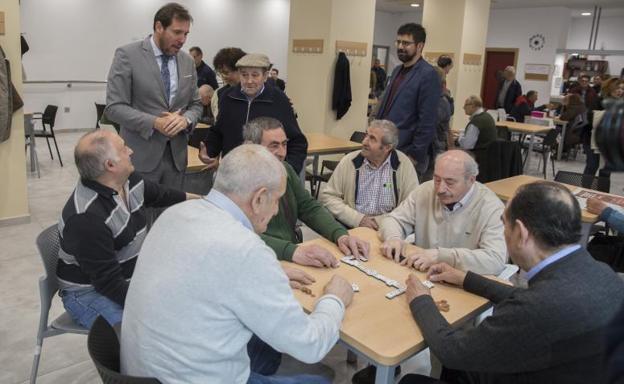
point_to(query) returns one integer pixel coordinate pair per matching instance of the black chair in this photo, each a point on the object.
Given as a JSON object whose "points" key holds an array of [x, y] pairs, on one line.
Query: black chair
{"points": [[103, 346], [99, 110], [48, 117], [322, 177], [548, 146], [503, 133], [598, 183], [500, 160]]}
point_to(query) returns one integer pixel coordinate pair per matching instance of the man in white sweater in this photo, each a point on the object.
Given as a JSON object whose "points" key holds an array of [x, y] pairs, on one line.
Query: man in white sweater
{"points": [[206, 282], [454, 219]]}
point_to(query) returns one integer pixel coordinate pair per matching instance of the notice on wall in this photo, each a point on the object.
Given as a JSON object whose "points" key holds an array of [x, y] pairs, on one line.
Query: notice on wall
{"points": [[539, 72]]}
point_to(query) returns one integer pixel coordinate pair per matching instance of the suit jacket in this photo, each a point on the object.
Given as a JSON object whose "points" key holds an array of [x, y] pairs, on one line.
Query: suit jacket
{"points": [[551, 332], [135, 97], [514, 90]]}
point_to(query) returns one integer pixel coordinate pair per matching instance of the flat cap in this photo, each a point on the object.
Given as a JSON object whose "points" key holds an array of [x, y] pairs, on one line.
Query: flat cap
{"points": [[256, 60]]}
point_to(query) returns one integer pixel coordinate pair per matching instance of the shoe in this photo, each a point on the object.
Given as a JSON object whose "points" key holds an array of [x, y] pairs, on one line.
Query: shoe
{"points": [[367, 375]]}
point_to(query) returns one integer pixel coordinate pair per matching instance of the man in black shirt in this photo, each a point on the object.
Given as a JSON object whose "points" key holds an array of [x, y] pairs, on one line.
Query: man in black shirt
{"points": [[102, 228], [205, 74]]}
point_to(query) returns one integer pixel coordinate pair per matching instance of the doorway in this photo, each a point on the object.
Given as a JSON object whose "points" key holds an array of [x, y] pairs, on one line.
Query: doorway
{"points": [[496, 59]]}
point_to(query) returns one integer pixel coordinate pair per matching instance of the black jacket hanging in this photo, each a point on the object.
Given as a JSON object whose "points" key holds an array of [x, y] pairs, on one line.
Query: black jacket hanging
{"points": [[6, 100], [341, 99]]}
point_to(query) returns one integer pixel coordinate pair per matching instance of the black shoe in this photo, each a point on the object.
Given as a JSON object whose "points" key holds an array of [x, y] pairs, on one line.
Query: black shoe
{"points": [[367, 375]]}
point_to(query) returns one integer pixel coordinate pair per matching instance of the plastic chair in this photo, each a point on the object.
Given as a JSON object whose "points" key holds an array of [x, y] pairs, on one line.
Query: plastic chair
{"points": [[99, 110], [103, 346], [48, 245], [48, 117], [29, 143], [546, 147], [356, 137], [598, 183]]}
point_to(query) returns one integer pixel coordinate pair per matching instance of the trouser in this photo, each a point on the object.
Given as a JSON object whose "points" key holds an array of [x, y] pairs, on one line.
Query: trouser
{"points": [[264, 362], [84, 305], [166, 174]]}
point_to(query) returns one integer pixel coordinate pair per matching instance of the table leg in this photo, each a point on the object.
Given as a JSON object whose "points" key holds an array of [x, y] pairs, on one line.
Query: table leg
{"points": [[315, 165], [563, 132], [585, 230], [384, 375], [527, 166]]}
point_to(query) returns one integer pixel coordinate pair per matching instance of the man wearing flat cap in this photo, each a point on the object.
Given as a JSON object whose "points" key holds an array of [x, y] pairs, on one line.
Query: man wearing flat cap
{"points": [[252, 99]]}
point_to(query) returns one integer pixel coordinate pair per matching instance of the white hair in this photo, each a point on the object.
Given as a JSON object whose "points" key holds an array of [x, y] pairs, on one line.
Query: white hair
{"points": [[510, 68], [390, 132], [471, 168], [246, 169]]}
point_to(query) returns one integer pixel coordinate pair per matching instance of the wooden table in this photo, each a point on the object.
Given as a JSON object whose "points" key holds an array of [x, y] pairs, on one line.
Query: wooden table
{"points": [[381, 330], [322, 144], [202, 126], [530, 129], [193, 164], [505, 189]]}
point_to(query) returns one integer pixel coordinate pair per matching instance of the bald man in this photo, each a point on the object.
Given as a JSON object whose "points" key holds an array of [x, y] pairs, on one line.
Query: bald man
{"points": [[102, 228], [205, 95], [454, 218]]}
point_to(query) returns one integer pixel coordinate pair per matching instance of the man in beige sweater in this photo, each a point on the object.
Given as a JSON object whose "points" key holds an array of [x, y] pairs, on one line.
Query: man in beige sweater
{"points": [[369, 183], [454, 219]]}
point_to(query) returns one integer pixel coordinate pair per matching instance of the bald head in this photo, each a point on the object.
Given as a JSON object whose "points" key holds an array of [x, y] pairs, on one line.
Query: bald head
{"points": [[205, 94], [509, 73], [454, 174], [100, 151]]}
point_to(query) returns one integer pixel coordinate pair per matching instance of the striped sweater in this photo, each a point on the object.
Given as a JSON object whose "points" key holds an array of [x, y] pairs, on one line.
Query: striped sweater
{"points": [[101, 237]]}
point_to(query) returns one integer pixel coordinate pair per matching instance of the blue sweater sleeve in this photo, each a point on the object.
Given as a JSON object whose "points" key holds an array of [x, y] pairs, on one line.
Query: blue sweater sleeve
{"points": [[614, 218]]}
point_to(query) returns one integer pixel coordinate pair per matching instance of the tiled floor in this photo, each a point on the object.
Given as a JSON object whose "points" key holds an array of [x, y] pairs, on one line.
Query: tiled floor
{"points": [[65, 358]]}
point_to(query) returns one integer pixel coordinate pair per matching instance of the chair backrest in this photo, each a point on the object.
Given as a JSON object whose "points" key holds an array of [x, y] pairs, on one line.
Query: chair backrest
{"points": [[357, 136], [503, 133], [598, 183], [48, 243], [551, 138], [49, 115], [103, 346]]}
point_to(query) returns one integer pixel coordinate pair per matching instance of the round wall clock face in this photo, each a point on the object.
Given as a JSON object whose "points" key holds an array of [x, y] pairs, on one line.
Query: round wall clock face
{"points": [[536, 42]]}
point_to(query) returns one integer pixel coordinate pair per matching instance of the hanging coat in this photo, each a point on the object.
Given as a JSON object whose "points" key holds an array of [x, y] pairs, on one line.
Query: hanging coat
{"points": [[6, 101], [341, 99]]}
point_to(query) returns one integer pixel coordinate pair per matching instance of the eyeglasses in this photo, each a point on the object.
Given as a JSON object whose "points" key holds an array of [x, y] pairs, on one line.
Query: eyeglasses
{"points": [[404, 43]]}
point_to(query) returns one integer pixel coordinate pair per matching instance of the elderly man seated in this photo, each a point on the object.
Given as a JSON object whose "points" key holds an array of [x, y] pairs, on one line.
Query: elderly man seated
{"points": [[297, 204], [216, 284], [553, 331], [454, 218], [102, 228], [369, 183]]}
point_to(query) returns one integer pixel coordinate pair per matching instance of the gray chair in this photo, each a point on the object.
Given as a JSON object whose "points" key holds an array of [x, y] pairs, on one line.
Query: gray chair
{"points": [[48, 244]]}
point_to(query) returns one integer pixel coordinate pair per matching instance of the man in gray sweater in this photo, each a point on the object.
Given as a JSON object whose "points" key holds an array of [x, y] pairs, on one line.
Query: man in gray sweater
{"points": [[551, 332], [208, 282]]}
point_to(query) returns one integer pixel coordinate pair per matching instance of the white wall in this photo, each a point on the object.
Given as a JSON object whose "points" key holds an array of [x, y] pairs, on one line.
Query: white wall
{"points": [[76, 39], [386, 25], [512, 28], [610, 37]]}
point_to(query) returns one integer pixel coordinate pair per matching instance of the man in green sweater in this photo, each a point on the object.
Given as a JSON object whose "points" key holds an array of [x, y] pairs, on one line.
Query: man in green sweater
{"points": [[297, 203]]}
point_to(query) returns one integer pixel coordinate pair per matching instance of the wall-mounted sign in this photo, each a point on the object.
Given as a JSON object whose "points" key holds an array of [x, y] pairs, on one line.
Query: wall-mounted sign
{"points": [[539, 72]]}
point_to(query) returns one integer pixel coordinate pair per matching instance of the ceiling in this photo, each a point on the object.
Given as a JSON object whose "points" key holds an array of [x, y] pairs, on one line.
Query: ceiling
{"points": [[609, 7]]}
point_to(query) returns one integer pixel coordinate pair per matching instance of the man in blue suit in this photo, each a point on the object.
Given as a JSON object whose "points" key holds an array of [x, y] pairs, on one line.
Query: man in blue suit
{"points": [[412, 96]]}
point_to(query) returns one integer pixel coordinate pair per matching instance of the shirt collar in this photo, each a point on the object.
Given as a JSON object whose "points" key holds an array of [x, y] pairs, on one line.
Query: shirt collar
{"points": [[252, 98], [223, 202], [371, 166], [464, 200], [157, 51], [551, 259], [478, 111], [99, 188]]}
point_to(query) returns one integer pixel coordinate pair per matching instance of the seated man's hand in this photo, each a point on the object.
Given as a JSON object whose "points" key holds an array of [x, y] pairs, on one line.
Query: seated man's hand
{"points": [[297, 278], [369, 222], [352, 245], [341, 288], [314, 255], [392, 249], [414, 288], [421, 259], [596, 206], [444, 273], [211, 162]]}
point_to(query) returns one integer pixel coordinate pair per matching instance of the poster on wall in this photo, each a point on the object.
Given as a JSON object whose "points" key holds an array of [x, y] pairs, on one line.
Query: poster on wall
{"points": [[538, 72]]}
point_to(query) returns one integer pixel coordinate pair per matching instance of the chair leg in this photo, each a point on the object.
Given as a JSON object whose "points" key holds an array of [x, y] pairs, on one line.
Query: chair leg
{"points": [[57, 150], [37, 357], [544, 156], [552, 162], [351, 357], [49, 148]]}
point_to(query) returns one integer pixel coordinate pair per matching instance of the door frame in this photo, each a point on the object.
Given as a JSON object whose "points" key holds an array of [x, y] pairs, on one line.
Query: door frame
{"points": [[515, 51]]}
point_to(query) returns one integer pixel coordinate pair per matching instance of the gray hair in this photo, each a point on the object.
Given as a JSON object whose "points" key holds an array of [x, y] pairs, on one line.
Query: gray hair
{"points": [[390, 132], [475, 100], [92, 152], [471, 168], [247, 168], [510, 68], [252, 131]]}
